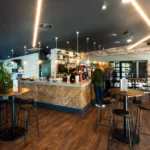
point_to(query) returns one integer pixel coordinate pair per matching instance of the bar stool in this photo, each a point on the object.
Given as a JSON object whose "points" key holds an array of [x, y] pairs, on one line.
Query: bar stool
{"points": [[141, 107], [121, 100], [107, 102], [26, 105], [3, 117], [113, 125]]}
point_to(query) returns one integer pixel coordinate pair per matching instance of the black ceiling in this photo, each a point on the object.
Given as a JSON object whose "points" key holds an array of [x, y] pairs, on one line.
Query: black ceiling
{"points": [[66, 17]]}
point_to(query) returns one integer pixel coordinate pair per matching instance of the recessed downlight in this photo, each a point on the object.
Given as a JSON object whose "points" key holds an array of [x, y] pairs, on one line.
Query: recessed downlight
{"points": [[114, 34], [125, 1], [104, 7], [129, 40], [117, 42]]}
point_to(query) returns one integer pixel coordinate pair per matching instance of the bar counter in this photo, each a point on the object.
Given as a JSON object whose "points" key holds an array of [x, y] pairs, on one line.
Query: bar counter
{"points": [[73, 97]]}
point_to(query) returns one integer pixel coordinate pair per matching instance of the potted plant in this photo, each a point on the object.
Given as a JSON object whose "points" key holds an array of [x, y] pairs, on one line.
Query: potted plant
{"points": [[5, 76]]}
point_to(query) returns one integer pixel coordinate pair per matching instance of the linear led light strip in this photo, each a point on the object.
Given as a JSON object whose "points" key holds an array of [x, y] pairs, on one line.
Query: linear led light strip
{"points": [[37, 22], [139, 42], [144, 16], [141, 12]]}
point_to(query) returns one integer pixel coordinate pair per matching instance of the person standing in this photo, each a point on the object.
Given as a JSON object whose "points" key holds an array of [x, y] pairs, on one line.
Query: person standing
{"points": [[107, 80], [98, 81], [114, 76]]}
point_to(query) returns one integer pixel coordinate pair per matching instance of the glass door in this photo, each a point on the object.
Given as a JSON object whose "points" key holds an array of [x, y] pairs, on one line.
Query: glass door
{"points": [[126, 70]]}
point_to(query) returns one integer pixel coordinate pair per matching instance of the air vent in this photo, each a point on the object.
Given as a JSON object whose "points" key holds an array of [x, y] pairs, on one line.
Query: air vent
{"points": [[45, 26], [126, 32]]}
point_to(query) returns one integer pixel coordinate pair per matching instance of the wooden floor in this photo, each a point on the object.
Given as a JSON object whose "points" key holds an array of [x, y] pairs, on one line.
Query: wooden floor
{"points": [[61, 130]]}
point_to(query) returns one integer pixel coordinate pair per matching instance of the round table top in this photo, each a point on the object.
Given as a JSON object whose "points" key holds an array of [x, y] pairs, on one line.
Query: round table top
{"points": [[130, 92], [9, 92]]}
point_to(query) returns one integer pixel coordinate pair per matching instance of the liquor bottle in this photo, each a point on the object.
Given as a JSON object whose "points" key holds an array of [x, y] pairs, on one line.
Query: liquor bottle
{"points": [[80, 75], [72, 78]]}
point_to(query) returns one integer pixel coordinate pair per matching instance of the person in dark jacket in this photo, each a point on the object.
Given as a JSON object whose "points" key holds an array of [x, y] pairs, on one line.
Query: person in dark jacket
{"points": [[98, 81], [107, 76], [114, 76]]}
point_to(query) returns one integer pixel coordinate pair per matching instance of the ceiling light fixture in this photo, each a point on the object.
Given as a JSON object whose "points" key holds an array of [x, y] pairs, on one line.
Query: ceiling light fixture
{"points": [[99, 46], [78, 59], [56, 38], [114, 34], [87, 41], [77, 40], [37, 22], [129, 40], [67, 45], [139, 42], [125, 1], [117, 42], [141, 12], [40, 61], [94, 45], [12, 51], [25, 48], [104, 7]]}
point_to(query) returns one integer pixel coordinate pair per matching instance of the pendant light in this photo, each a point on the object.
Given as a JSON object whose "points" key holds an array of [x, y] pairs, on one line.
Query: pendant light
{"points": [[25, 49], [94, 45], [87, 41], [67, 45], [56, 38], [99, 47], [12, 52], [78, 60], [40, 61]]}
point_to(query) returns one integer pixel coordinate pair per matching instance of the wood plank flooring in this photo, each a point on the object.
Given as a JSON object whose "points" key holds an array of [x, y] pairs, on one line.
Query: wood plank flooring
{"points": [[61, 130]]}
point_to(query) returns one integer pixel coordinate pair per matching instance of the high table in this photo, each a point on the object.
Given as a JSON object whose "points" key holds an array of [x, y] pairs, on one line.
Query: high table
{"points": [[134, 81], [11, 134], [122, 134]]}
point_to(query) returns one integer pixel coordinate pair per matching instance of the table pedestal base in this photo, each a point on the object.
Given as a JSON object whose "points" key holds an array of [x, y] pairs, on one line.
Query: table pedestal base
{"points": [[12, 136], [119, 135]]}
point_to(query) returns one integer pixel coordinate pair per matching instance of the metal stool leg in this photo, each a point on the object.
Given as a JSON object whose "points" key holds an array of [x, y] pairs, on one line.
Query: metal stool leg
{"points": [[25, 125], [110, 132], [18, 116], [37, 123], [132, 116], [129, 132], [139, 122]]}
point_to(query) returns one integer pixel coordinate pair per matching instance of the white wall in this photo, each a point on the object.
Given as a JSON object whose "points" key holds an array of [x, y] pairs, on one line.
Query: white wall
{"points": [[32, 66]]}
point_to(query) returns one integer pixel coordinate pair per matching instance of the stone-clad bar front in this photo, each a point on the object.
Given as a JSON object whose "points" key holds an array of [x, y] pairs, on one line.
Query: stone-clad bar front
{"points": [[73, 97]]}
